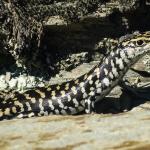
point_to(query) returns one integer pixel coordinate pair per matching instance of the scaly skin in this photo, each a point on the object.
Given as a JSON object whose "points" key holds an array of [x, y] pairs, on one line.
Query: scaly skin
{"points": [[78, 95]]}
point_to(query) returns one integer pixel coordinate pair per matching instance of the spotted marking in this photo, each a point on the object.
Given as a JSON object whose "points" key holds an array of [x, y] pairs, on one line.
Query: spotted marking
{"points": [[111, 75], [85, 95], [53, 93], [63, 93], [92, 93], [98, 85], [98, 90], [106, 81], [27, 96], [46, 113], [112, 53], [83, 90], [122, 54], [82, 84], [31, 114], [120, 63], [53, 97], [63, 112], [76, 81], [58, 87], [75, 102], [106, 61], [20, 116], [14, 110], [112, 64], [114, 71], [33, 100], [92, 88], [17, 103], [74, 90], [56, 111], [91, 82], [28, 105], [61, 105], [42, 94], [49, 89], [105, 71], [97, 70], [130, 53], [67, 88], [67, 84], [85, 77], [90, 77], [73, 110], [7, 111], [69, 98], [41, 104], [51, 105]]}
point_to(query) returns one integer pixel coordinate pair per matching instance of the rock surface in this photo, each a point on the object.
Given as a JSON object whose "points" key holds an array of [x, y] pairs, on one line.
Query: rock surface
{"points": [[123, 131]]}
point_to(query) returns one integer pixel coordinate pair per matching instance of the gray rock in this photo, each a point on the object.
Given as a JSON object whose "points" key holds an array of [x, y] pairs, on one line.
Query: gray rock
{"points": [[128, 130]]}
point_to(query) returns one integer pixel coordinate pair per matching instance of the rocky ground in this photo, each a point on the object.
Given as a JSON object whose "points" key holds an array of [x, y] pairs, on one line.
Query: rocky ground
{"points": [[123, 131]]}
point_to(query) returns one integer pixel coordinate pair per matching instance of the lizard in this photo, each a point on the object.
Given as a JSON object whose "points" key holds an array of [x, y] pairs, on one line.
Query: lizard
{"points": [[78, 95]]}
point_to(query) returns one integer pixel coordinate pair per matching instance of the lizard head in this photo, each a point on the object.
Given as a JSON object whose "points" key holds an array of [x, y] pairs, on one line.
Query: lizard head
{"points": [[136, 44]]}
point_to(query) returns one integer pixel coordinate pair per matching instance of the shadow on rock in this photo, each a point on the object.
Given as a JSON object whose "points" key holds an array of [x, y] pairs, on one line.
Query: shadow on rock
{"points": [[129, 99]]}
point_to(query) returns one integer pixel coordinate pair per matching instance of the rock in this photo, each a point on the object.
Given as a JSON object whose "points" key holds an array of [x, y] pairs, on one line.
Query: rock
{"points": [[128, 130]]}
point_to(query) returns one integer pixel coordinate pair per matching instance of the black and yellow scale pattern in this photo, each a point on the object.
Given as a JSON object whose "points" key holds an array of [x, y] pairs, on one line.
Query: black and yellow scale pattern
{"points": [[78, 95]]}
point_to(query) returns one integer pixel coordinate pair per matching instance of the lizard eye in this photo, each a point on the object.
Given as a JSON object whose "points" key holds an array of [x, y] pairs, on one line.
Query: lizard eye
{"points": [[139, 42]]}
